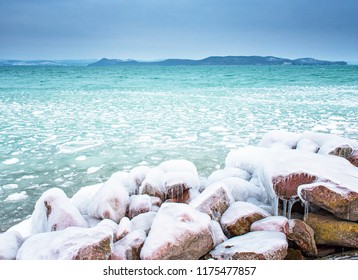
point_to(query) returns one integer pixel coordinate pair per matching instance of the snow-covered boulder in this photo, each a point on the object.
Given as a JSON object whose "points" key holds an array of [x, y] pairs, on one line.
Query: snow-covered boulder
{"points": [[307, 145], [143, 221], [139, 204], [10, 243], [272, 223], [303, 236], [353, 158], [128, 248], [152, 184], [221, 174], [217, 233], [110, 201], [242, 190], [24, 228], [282, 137], [337, 199], [73, 243], [257, 245], [238, 218], [214, 200], [136, 178], [178, 165], [54, 211], [83, 196], [124, 228], [178, 232]]}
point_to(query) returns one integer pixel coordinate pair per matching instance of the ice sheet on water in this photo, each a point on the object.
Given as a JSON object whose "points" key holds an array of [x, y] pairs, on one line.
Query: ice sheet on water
{"points": [[11, 161], [17, 196]]}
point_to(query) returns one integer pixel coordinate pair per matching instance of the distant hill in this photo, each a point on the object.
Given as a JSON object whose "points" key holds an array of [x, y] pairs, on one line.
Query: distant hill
{"points": [[5, 62], [221, 60]]}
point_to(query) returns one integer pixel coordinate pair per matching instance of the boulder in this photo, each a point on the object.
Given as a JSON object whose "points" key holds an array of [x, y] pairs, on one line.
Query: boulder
{"points": [[243, 190], [238, 218], [83, 196], [136, 177], [152, 184], [178, 232], [353, 158], [177, 184], [124, 228], [10, 243], [178, 165], [272, 223], [128, 248], [274, 137], [257, 245], [69, 244], [293, 254], [54, 211], [110, 201], [330, 230], [217, 233], [221, 174], [302, 235], [214, 201], [139, 204], [337, 199], [143, 221], [307, 145]]}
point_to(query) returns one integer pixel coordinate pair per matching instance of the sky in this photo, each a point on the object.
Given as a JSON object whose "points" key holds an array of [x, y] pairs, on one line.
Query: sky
{"points": [[159, 29]]}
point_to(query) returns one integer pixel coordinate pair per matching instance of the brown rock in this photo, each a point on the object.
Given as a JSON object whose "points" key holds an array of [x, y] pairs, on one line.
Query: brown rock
{"points": [[139, 204], [129, 247], [303, 236], [340, 201], [293, 254], [238, 218], [330, 230], [353, 158]]}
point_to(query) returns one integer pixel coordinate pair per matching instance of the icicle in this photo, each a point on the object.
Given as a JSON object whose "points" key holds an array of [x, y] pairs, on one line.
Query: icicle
{"points": [[291, 202], [275, 206], [307, 207], [284, 207]]}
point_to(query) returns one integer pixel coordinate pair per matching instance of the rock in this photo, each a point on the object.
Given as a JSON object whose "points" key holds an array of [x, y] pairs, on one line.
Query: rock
{"points": [[139, 204], [214, 201], [221, 174], [337, 199], [54, 211], [152, 184], [293, 254], [307, 145], [10, 242], [238, 218], [110, 201], [257, 245], [178, 165], [353, 158], [272, 223], [217, 233], [178, 232], [303, 236], [69, 244], [242, 190], [333, 231], [177, 184], [83, 196], [129, 247], [143, 221], [112, 227], [340, 149], [136, 177], [283, 137], [347, 255], [124, 228]]}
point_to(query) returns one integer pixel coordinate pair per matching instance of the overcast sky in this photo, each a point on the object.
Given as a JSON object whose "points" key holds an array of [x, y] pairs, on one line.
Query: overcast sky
{"points": [[157, 29]]}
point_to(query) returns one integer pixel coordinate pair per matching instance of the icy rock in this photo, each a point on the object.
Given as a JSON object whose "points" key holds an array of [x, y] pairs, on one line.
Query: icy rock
{"points": [[136, 178], [178, 232], [139, 204], [221, 174], [83, 196], [177, 184], [353, 158], [152, 184], [214, 201], [143, 221], [124, 228], [242, 190], [24, 228], [337, 199], [303, 236], [282, 137], [257, 245], [110, 201], [10, 243], [54, 211], [128, 248], [112, 227], [156, 201], [217, 233], [178, 165], [238, 218], [336, 149], [272, 223], [72, 243], [307, 145], [91, 221], [324, 138], [329, 230]]}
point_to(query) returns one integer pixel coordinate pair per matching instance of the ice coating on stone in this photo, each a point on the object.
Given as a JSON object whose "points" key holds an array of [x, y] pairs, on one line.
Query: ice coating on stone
{"points": [[128, 248], [143, 221], [24, 228], [110, 224], [68, 244], [242, 190], [139, 204], [125, 227], [136, 178], [322, 138], [338, 189], [170, 179], [152, 183], [91, 221], [110, 201], [175, 225], [283, 137], [307, 145], [272, 223], [240, 209], [267, 244], [331, 145], [221, 174], [122, 177], [217, 233], [54, 211], [83, 196], [178, 165], [10, 243]]}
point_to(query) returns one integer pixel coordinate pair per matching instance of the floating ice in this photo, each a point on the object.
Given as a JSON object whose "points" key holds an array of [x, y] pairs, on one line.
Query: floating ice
{"points": [[94, 169], [9, 186], [17, 196], [11, 161], [81, 158]]}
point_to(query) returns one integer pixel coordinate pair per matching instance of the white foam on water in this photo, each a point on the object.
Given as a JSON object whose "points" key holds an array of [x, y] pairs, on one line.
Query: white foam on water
{"points": [[81, 158], [11, 161], [17, 196]]}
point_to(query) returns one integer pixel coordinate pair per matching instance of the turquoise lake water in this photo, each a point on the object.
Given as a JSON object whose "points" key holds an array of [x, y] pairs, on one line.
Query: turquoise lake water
{"points": [[69, 127]]}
